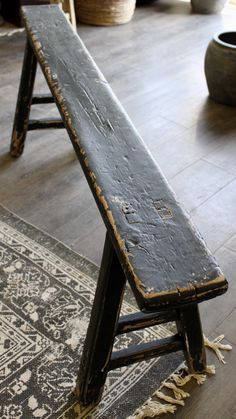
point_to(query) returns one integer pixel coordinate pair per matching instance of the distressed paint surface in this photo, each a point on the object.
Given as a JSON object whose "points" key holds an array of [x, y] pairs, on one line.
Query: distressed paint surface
{"points": [[164, 257]]}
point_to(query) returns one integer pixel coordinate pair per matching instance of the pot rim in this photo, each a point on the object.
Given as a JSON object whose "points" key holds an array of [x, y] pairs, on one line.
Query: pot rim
{"points": [[224, 44]]}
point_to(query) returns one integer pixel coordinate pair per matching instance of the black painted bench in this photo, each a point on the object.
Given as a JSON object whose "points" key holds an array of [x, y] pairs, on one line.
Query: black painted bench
{"points": [[150, 240]]}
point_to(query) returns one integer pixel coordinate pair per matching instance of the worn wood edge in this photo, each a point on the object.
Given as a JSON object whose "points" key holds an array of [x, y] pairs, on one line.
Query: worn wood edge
{"points": [[192, 294], [219, 281]]}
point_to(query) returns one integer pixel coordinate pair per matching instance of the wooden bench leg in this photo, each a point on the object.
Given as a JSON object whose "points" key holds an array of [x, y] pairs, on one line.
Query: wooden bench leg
{"points": [[23, 101], [189, 326], [102, 327]]}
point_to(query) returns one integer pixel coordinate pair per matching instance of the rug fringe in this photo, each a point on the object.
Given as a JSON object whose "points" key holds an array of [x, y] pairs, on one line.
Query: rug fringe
{"points": [[179, 378], [168, 399], [217, 347], [178, 392], [151, 409]]}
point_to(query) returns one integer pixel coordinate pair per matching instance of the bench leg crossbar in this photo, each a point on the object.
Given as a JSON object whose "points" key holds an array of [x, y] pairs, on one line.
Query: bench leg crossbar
{"points": [[98, 358]]}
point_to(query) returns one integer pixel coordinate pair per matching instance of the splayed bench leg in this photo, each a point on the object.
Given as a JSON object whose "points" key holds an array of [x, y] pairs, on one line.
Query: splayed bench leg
{"points": [[23, 101], [102, 327], [189, 326]]}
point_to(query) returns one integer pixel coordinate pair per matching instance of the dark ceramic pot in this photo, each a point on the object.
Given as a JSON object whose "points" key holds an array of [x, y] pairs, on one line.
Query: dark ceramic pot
{"points": [[208, 6], [220, 68]]}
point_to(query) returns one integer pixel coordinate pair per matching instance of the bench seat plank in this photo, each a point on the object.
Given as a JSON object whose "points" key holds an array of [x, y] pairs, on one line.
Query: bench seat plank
{"points": [[163, 256]]}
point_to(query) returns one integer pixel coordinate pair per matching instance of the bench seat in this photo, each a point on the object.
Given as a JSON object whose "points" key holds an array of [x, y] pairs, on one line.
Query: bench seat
{"points": [[163, 256]]}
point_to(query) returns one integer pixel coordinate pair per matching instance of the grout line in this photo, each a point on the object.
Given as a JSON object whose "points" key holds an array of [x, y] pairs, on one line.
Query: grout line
{"points": [[219, 190], [225, 339], [175, 123], [186, 167], [221, 322], [216, 165], [229, 248], [211, 196], [223, 244]]}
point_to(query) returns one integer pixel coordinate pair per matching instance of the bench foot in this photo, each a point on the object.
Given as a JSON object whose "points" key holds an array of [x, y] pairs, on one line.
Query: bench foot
{"points": [[24, 99], [189, 327], [102, 328]]}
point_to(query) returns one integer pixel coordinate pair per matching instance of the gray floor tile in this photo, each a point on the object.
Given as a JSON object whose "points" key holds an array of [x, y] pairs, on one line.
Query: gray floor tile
{"points": [[199, 182], [216, 218]]}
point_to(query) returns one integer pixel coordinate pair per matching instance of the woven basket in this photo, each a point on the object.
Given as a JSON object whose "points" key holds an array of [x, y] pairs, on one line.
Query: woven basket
{"points": [[104, 12]]}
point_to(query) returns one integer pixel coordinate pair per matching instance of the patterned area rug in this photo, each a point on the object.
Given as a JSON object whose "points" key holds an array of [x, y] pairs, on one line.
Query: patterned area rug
{"points": [[46, 293]]}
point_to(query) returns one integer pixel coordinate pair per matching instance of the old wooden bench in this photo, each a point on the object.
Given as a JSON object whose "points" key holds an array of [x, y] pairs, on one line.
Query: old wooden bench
{"points": [[150, 240]]}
